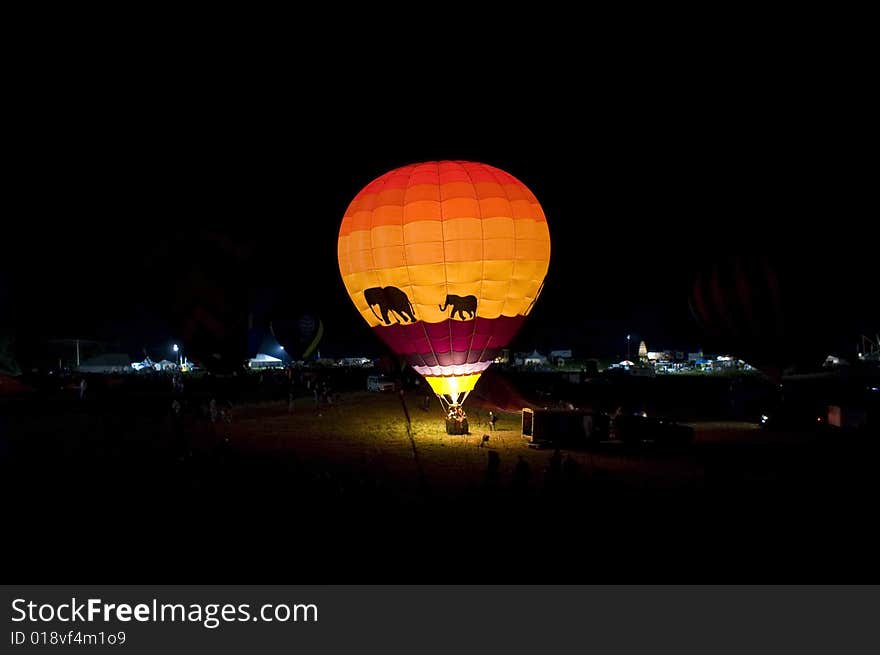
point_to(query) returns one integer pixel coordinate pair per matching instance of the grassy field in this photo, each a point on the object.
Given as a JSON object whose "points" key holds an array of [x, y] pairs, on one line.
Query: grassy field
{"points": [[368, 433], [350, 494]]}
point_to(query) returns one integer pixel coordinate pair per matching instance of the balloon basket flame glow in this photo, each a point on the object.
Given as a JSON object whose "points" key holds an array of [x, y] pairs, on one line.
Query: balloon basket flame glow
{"points": [[456, 419], [450, 402], [453, 391]]}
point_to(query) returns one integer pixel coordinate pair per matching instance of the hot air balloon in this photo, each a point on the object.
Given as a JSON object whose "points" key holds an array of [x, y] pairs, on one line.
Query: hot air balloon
{"points": [[444, 260], [261, 305], [300, 336], [209, 313], [779, 311]]}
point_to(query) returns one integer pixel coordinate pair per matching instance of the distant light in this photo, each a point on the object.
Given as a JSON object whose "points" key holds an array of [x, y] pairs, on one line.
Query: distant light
{"points": [[764, 418], [818, 419], [280, 347], [175, 347]]}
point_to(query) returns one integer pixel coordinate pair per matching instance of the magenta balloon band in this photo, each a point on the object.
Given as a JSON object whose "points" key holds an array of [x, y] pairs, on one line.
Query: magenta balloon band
{"points": [[450, 342]]}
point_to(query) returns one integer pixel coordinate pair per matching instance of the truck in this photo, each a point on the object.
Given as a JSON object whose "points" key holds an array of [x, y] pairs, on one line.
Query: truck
{"points": [[585, 428]]}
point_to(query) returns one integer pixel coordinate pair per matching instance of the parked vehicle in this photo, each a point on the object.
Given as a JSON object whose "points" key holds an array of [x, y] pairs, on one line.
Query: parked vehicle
{"points": [[564, 427], [585, 428], [380, 383]]}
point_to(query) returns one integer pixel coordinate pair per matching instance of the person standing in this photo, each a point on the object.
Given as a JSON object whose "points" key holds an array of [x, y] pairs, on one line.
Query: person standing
{"points": [[588, 426], [493, 466], [520, 483]]}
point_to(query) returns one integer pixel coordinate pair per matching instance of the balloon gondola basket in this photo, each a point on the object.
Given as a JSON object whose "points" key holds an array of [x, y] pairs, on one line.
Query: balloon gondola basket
{"points": [[456, 426]]}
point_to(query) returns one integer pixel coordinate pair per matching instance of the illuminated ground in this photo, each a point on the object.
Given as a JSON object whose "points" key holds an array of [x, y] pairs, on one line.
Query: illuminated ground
{"points": [[367, 433]]}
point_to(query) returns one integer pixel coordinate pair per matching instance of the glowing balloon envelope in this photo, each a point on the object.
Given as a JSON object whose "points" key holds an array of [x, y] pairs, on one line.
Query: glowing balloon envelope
{"points": [[444, 260]]}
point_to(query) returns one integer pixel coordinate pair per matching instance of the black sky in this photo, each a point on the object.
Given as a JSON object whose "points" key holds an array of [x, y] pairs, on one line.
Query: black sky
{"points": [[641, 172]]}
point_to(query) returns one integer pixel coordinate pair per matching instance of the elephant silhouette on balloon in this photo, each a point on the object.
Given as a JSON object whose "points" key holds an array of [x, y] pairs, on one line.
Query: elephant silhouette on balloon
{"points": [[390, 300], [461, 305]]}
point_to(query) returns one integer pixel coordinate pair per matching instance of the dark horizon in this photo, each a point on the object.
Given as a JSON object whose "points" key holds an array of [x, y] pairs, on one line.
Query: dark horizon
{"points": [[636, 200]]}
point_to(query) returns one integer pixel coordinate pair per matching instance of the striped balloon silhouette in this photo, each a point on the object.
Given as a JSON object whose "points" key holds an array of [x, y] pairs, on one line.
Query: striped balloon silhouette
{"points": [[782, 310]]}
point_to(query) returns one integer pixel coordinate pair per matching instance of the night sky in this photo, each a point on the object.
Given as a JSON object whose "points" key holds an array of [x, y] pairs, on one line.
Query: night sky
{"points": [[642, 178]]}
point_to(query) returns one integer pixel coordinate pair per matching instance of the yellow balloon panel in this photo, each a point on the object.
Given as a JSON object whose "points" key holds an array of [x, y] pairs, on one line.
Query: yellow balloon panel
{"points": [[452, 385], [503, 227], [434, 241]]}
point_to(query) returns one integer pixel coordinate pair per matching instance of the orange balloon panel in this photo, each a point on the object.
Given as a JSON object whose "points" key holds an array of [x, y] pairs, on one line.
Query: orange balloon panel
{"points": [[445, 259]]}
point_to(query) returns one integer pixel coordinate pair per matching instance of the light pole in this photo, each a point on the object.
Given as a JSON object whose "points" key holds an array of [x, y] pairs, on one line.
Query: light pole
{"points": [[176, 349], [627, 347]]}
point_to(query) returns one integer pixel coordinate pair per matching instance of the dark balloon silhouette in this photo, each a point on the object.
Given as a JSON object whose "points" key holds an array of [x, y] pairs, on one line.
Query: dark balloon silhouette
{"points": [[300, 336], [210, 313], [779, 312]]}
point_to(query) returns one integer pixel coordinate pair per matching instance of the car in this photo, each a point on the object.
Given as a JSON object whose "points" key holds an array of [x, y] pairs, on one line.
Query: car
{"points": [[380, 383]]}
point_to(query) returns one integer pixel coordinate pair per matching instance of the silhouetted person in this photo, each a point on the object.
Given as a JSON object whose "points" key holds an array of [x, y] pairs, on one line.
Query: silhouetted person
{"points": [[614, 424], [733, 391], [569, 469], [492, 419], [521, 475], [177, 425], [588, 426], [492, 466], [553, 473], [556, 460]]}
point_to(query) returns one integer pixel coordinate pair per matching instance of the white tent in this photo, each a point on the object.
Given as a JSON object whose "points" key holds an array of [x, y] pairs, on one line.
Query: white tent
{"points": [[262, 360], [147, 364], [536, 358], [109, 363]]}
